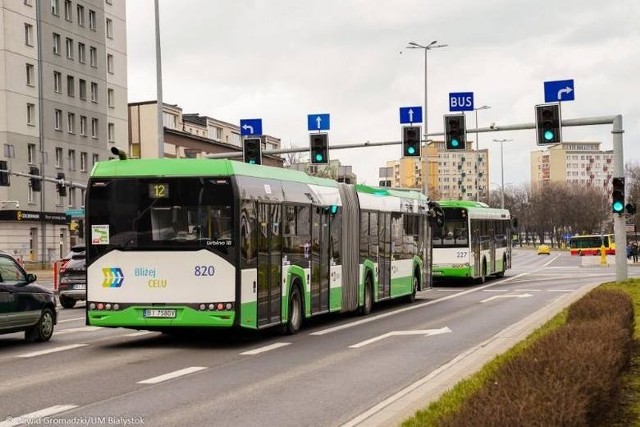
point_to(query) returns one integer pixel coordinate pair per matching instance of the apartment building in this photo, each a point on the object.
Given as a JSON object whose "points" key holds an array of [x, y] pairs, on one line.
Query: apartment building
{"points": [[186, 135], [63, 102], [447, 174], [582, 163]]}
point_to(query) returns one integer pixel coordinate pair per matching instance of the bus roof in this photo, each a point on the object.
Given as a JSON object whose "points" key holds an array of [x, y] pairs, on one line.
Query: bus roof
{"points": [[476, 209]]}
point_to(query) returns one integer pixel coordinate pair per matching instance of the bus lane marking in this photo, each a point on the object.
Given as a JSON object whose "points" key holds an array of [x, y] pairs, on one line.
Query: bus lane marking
{"points": [[424, 332], [172, 375], [506, 296], [52, 350], [265, 348]]}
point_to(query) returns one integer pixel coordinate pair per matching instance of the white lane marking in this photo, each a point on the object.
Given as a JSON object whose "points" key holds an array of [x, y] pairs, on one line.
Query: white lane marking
{"points": [[71, 320], [52, 350], [527, 290], [265, 348], [561, 290], [35, 417], [551, 260], [80, 329], [425, 332], [496, 290], [140, 333], [172, 375], [507, 296], [415, 307]]}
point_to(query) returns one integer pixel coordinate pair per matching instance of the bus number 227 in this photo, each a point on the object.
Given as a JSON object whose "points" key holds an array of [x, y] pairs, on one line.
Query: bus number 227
{"points": [[462, 254], [204, 270]]}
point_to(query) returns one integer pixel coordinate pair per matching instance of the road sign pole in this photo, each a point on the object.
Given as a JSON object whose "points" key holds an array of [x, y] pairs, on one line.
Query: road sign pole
{"points": [[618, 219]]}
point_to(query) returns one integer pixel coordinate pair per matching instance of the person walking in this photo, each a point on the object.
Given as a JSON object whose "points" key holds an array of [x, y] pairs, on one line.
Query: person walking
{"points": [[634, 252]]}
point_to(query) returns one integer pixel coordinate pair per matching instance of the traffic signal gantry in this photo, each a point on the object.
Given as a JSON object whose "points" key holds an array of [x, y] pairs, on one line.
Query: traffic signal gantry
{"points": [[252, 150], [319, 146], [548, 124], [455, 131], [411, 144]]}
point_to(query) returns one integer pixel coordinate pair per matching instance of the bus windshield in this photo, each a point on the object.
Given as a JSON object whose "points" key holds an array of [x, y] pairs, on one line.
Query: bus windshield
{"points": [[161, 213], [455, 232]]}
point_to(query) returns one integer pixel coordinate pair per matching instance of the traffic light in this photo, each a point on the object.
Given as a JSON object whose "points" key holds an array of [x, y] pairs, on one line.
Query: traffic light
{"points": [[36, 184], [617, 196], [4, 174], [60, 185], [548, 124], [411, 141], [630, 208], [252, 151], [455, 131], [319, 148]]}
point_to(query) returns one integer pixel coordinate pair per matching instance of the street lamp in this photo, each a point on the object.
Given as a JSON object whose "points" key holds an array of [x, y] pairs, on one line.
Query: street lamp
{"points": [[426, 48], [484, 107], [502, 169]]}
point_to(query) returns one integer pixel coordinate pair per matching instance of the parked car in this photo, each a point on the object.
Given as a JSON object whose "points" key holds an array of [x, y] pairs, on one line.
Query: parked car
{"points": [[72, 283], [544, 250], [24, 306]]}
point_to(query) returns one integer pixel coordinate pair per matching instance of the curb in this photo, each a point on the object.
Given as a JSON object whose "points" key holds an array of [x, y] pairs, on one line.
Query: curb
{"points": [[405, 403]]}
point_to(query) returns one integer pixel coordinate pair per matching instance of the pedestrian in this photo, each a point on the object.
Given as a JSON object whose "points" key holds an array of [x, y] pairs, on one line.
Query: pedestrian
{"points": [[635, 251], [629, 251]]}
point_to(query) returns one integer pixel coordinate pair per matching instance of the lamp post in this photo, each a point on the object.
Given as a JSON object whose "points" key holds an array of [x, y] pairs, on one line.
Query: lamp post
{"points": [[484, 107], [502, 169], [426, 48]]}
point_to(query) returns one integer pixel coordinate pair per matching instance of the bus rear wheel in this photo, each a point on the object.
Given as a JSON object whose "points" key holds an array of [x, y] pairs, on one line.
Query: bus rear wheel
{"points": [[483, 276], [294, 320], [368, 297], [412, 296]]}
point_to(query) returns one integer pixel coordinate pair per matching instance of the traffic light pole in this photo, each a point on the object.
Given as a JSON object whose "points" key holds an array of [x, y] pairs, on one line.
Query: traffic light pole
{"points": [[619, 219]]}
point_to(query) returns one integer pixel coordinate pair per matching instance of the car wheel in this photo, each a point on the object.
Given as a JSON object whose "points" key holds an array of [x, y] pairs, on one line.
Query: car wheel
{"points": [[67, 302], [43, 330]]}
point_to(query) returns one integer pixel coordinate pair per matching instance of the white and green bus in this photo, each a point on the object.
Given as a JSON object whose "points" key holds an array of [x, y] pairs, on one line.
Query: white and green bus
{"points": [[176, 243], [473, 244]]}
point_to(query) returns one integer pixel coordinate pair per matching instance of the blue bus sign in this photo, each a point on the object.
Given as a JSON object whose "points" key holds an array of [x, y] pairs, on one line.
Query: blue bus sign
{"points": [[461, 101], [559, 90], [410, 115], [318, 122], [250, 127]]}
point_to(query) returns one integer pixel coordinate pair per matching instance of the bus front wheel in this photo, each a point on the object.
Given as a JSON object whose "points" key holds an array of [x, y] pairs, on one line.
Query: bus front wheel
{"points": [[295, 312], [368, 297]]}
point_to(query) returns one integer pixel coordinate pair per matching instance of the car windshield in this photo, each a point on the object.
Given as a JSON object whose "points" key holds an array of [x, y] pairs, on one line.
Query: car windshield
{"points": [[10, 272]]}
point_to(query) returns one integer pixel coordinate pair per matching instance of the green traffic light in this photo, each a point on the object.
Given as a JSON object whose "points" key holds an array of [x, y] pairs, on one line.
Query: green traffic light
{"points": [[411, 150], [319, 157], [618, 206], [455, 143], [548, 135]]}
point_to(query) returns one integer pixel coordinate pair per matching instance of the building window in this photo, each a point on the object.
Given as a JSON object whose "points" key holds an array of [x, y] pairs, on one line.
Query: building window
{"points": [[110, 63], [71, 86], [111, 131], [30, 74], [69, 48], [68, 10], [83, 162], [71, 122], [80, 10], [58, 157], [57, 81], [94, 128], [83, 125], [82, 55], [94, 159], [31, 154], [94, 92], [169, 120], [55, 7], [72, 160], [56, 43], [82, 87], [93, 56], [58, 119], [109, 28], [111, 98], [31, 114], [28, 34], [92, 19]]}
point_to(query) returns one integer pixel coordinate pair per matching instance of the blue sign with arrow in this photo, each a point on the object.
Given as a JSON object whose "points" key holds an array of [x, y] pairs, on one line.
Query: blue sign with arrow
{"points": [[410, 115], [250, 127], [559, 90], [318, 122]]}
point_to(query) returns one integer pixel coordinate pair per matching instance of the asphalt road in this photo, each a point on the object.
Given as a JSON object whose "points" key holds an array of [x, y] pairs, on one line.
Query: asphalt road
{"points": [[339, 370]]}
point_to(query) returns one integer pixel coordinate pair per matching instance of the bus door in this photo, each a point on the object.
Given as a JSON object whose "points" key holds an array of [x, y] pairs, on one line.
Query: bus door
{"points": [[269, 264], [384, 255], [492, 249], [320, 247]]}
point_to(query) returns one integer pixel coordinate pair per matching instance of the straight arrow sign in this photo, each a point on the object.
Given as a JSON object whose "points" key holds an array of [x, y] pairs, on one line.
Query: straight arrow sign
{"points": [[507, 296], [425, 332]]}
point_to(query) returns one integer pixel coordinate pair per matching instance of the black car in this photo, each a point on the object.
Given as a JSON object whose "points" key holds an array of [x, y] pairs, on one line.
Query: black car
{"points": [[72, 283], [24, 306]]}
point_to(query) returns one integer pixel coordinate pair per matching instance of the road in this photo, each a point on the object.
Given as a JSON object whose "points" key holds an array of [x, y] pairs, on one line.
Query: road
{"points": [[330, 374]]}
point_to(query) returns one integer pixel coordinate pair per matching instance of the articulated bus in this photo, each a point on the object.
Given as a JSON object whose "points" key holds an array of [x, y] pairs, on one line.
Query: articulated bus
{"points": [[592, 244], [176, 243], [474, 242]]}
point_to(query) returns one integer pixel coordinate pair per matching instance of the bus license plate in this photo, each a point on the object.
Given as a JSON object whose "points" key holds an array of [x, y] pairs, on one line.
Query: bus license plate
{"points": [[165, 314]]}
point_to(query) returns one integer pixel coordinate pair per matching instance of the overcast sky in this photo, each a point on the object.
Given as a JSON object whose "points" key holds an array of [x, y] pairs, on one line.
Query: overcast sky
{"points": [[280, 60]]}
